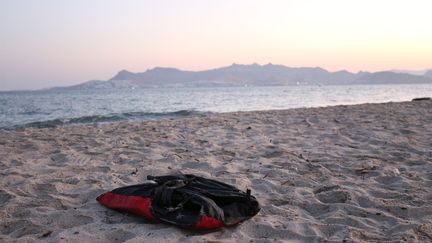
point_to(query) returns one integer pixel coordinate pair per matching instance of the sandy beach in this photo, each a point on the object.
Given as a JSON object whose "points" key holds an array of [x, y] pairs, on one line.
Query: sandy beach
{"points": [[345, 173]]}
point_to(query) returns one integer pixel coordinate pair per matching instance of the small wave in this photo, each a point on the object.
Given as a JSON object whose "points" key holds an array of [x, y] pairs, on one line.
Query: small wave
{"points": [[127, 116]]}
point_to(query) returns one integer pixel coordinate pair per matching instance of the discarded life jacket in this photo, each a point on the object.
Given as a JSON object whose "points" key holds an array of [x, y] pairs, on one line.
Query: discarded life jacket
{"points": [[185, 200]]}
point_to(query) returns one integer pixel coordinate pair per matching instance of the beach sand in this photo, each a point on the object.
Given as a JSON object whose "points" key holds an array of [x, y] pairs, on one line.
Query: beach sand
{"points": [[354, 173]]}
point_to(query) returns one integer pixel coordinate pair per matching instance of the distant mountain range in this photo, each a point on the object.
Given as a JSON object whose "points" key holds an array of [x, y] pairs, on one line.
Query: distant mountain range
{"points": [[250, 75], [414, 72]]}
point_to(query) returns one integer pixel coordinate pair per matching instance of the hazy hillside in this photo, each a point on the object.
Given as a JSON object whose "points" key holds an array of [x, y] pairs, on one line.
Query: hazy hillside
{"points": [[413, 72], [392, 78], [249, 75]]}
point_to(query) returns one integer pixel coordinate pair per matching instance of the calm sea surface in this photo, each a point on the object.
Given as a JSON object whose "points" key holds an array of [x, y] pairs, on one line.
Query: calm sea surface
{"points": [[52, 108]]}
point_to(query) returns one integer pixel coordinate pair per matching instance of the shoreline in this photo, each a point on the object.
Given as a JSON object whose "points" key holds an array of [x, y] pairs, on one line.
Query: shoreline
{"points": [[347, 172], [112, 118]]}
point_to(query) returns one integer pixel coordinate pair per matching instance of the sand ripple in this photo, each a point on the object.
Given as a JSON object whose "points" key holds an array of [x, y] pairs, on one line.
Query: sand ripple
{"points": [[354, 173]]}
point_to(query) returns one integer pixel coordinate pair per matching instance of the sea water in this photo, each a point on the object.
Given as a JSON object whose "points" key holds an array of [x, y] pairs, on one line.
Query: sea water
{"points": [[61, 107]]}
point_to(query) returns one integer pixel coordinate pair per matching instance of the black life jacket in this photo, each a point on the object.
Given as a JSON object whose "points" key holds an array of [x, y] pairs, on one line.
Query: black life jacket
{"points": [[185, 200]]}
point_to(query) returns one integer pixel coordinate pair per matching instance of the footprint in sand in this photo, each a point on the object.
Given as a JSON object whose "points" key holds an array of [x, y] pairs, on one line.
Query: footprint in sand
{"points": [[119, 236], [332, 194], [58, 159], [19, 228], [388, 180], [16, 163], [4, 198], [28, 147], [66, 220]]}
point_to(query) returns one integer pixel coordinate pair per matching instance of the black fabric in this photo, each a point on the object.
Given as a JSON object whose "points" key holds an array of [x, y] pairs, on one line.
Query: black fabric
{"points": [[183, 199], [144, 190]]}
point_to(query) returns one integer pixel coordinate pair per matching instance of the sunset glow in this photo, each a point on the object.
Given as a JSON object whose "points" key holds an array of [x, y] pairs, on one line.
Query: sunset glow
{"points": [[52, 43]]}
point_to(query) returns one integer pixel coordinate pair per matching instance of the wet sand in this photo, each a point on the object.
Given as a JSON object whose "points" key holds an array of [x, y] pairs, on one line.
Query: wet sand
{"points": [[354, 173]]}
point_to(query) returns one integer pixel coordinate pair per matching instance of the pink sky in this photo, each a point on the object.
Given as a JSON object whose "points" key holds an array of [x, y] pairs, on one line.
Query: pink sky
{"points": [[53, 43]]}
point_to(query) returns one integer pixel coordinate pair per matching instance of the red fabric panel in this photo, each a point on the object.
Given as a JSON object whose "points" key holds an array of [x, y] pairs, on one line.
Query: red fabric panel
{"points": [[132, 204], [207, 222]]}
